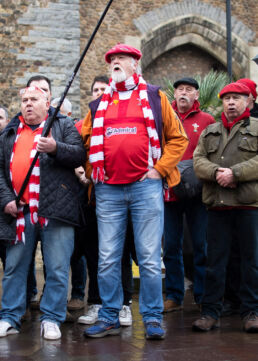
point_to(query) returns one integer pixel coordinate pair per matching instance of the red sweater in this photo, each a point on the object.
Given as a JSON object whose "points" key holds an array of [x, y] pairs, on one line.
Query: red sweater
{"points": [[194, 122]]}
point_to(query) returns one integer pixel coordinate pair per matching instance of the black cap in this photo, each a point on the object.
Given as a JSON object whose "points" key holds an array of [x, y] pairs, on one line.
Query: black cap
{"points": [[189, 81], [255, 59]]}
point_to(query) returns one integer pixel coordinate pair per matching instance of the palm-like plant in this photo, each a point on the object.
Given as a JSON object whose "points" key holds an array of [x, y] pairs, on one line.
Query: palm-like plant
{"points": [[209, 87]]}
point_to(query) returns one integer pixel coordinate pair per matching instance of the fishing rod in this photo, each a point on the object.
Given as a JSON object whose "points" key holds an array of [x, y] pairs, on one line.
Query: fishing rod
{"points": [[53, 117]]}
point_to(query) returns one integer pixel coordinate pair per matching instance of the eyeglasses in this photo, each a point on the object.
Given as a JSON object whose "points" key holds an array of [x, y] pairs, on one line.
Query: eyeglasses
{"points": [[31, 89]]}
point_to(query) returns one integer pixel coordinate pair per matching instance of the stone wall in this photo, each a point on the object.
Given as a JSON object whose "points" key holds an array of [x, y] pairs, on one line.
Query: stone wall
{"points": [[47, 37], [187, 60], [38, 37]]}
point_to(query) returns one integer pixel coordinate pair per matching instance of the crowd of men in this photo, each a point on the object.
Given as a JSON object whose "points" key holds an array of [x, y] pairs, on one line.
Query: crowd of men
{"points": [[118, 185]]}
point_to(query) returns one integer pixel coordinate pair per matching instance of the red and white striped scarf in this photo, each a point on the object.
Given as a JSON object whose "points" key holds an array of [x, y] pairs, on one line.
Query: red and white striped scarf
{"points": [[96, 157], [34, 184]]}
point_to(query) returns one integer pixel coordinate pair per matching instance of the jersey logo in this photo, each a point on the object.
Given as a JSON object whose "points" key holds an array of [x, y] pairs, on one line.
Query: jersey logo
{"points": [[196, 126], [120, 131]]}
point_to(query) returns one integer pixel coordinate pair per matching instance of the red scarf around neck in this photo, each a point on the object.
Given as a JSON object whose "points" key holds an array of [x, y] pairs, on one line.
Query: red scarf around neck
{"points": [[195, 108], [228, 125]]}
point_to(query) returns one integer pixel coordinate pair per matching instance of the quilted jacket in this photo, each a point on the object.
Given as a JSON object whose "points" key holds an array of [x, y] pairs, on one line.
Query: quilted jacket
{"points": [[59, 187]]}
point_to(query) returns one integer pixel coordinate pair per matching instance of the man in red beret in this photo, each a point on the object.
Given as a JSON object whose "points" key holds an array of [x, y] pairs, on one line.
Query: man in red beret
{"points": [[133, 139], [231, 303], [226, 160], [252, 96]]}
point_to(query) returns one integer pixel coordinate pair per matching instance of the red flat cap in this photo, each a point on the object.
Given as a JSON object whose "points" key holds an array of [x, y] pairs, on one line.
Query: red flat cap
{"points": [[234, 88], [250, 84], [123, 49]]}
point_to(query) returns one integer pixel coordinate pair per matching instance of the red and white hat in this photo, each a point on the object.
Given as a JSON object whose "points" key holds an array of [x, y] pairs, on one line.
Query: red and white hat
{"points": [[123, 49], [234, 88]]}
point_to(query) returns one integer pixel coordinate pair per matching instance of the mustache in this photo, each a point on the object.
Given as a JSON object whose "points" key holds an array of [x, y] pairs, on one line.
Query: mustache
{"points": [[184, 97], [117, 67]]}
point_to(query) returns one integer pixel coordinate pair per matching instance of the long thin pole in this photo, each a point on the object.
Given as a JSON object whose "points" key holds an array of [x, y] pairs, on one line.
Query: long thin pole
{"points": [[53, 117], [229, 40]]}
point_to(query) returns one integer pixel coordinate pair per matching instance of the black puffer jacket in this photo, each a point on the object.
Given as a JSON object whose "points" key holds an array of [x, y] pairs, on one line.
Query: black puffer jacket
{"points": [[59, 187]]}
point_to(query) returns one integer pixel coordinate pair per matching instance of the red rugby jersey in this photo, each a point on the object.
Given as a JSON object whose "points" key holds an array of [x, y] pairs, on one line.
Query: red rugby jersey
{"points": [[126, 140]]}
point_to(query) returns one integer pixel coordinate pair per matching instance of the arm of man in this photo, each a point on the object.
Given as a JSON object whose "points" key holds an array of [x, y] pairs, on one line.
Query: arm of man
{"points": [[6, 194], [246, 171], [175, 139], [67, 148], [203, 167], [86, 134]]}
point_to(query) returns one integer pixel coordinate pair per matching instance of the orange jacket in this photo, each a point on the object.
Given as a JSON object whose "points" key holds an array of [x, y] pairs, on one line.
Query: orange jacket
{"points": [[174, 142]]}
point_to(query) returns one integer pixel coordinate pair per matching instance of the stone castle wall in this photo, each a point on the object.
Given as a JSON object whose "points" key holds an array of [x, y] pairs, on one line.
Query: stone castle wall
{"points": [[48, 36]]}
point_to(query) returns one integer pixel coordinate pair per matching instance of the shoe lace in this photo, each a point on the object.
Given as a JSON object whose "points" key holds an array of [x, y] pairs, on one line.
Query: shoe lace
{"points": [[154, 324], [125, 311], [49, 327], [93, 309]]}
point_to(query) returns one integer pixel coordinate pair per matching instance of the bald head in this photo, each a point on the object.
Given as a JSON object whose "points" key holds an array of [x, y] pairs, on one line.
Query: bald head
{"points": [[3, 117]]}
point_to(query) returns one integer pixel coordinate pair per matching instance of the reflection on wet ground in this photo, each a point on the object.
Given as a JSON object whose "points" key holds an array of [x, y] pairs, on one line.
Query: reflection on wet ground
{"points": [[229, 343]]}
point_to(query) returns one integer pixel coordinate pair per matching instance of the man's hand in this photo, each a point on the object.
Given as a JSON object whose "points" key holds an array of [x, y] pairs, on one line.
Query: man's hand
{"points": [[152, 174], [47, 144], [80, 173], [225, 177], [11, 208]]}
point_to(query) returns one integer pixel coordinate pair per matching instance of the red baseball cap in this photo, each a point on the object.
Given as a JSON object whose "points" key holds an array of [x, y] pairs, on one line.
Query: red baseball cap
{"points": [[235, 88], [250, 84], [123, 49]]}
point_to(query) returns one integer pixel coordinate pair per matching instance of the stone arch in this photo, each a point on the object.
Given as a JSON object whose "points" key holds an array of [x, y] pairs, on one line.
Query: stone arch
{"points": [[196, 23], [198, 31]]}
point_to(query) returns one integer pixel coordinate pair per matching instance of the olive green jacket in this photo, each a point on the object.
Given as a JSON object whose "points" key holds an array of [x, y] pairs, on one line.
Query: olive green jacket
{"points": [[237, 150]]}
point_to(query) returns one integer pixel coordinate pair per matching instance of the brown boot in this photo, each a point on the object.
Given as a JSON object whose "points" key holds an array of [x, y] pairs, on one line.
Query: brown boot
{"points": [[251, 323], [205, 323], [75, 304], [171, 306]]}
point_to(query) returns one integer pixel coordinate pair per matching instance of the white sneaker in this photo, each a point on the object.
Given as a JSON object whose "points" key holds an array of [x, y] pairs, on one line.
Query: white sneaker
{"points": [[91, 316], [50, 330], [125, 316], [7, 329]]}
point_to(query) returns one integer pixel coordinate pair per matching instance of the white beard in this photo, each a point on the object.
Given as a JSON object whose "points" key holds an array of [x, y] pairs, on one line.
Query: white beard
{"points": [[118, 76]]}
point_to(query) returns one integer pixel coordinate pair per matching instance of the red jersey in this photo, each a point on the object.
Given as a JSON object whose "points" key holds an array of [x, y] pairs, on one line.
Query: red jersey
{"points": [[126, 140]]}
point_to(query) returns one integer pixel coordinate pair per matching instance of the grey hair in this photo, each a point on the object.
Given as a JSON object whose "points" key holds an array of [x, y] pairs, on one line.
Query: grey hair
{"points": [[67, 105], [138, 68]]}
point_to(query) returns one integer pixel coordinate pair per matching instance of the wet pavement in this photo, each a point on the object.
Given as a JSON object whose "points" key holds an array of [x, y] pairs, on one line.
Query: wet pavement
{"points": [[229, 343]]}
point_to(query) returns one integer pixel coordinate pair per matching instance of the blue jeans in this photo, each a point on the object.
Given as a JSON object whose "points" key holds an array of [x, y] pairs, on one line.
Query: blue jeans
{"points": [[196, 218], [144, 200], [57, 244], [225, 227]]}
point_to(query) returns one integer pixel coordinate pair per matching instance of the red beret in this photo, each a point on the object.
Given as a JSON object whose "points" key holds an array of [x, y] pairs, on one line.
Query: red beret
{"points": [[123, 49], [234, 88], [250, 84]]}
